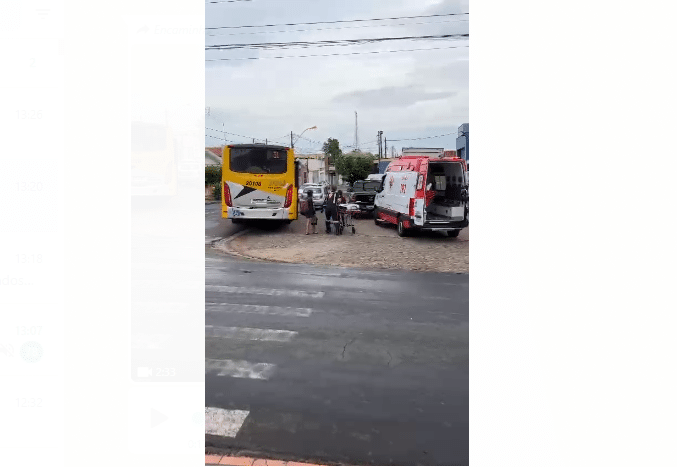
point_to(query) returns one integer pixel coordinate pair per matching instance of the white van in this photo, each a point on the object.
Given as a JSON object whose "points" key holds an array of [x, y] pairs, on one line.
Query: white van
{"points": [[424, 193]]}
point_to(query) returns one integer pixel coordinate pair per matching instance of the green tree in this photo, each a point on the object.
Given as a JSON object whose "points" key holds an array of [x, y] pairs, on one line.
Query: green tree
{"points": [[212, 174], [355, 166], [213, 179], [332, 150]]}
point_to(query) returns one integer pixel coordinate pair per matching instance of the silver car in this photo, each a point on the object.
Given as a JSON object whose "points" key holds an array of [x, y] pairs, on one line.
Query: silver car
{"points": [[319, 193]]}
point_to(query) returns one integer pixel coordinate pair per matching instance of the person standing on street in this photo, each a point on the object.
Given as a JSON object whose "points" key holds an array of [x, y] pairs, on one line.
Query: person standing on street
{"points": [[340, 199], [311, 215], [330, 213]]}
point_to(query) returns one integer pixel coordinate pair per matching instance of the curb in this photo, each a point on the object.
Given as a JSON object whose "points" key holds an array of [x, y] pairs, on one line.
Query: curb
{"points": [[218, 459], [223, 245], [229, 251], [225, 248], [244, 457]]}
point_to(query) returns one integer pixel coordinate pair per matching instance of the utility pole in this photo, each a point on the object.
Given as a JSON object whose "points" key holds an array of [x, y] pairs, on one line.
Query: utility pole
{"points": [[357, 142], [378, 140], [291, 139], [385, 148]]}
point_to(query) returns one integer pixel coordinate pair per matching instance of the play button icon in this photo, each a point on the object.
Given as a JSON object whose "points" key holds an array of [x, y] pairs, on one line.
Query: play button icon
{"points": [[156, 418]]}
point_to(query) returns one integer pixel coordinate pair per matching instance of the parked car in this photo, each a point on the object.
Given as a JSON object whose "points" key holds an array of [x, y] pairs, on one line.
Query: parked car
{"points": [[304, 187], [363, 193], [319, 194]]}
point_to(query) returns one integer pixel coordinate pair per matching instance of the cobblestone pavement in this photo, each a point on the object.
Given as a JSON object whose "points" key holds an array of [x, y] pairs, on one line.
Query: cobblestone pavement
{"points": [[371, 246]]}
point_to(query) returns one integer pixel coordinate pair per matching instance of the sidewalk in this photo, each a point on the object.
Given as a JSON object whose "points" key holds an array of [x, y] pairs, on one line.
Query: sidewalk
{"points": [[372, 246], [218, 459]]}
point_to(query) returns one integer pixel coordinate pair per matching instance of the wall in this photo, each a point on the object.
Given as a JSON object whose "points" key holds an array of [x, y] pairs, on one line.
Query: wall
{"points": [[462, 145]]}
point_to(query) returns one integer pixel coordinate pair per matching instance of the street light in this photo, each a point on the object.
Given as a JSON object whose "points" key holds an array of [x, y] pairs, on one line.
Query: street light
{"points": [[298, 136]]}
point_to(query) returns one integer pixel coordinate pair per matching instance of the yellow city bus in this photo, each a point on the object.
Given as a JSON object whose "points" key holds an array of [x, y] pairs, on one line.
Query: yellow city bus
{"points": [[259, 183]]}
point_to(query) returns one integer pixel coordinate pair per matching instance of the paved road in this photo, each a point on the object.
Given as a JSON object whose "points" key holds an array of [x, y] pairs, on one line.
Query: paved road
{"points": [[336, 365], [216, 227]]}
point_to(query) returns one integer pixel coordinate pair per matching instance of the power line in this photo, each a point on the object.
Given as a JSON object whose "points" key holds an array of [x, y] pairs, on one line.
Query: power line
{"points": [[243, 136], [277, 140], [310, 140], [333, 55], [361, 144], [216, 137], [426, 137], [234, 134], [283, 137], [321, 45], [282, 45], [332, 29], [339, 21]]}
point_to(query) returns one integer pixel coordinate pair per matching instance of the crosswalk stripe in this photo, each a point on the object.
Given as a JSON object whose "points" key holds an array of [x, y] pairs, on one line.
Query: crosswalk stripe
{"points": [[257, 309], [239, 368], [222, 422], [252, 334], [263, 291]]}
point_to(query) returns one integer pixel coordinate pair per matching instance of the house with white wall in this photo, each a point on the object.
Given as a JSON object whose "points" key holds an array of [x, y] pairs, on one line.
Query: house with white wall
{"points": [[311, 168], [213, 156]]}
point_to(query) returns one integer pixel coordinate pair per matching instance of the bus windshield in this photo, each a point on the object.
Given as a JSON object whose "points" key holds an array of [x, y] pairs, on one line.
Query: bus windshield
{"points": [[258, 160]]}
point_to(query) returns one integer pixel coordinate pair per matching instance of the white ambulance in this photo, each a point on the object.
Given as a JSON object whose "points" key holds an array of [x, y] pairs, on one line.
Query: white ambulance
{"points": [[424, 192]]}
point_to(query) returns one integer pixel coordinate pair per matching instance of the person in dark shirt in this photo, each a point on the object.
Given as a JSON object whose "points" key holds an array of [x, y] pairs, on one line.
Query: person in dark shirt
{"points": [[310, 214], [331, 212]]}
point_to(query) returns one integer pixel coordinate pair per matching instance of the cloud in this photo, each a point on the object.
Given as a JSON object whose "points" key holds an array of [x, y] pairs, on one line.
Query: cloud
{"points": [[391, 96], [404, 94]]}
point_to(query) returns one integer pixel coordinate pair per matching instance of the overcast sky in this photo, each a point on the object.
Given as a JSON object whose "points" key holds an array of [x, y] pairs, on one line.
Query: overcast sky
{"points": [[405, 94]]}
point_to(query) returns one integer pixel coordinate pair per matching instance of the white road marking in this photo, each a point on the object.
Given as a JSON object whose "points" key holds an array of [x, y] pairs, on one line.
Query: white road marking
{"points": [[257, 309], [317, 274], [239, 368], [212, 239], [264, 291], [222, 422], [250, 334]]}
